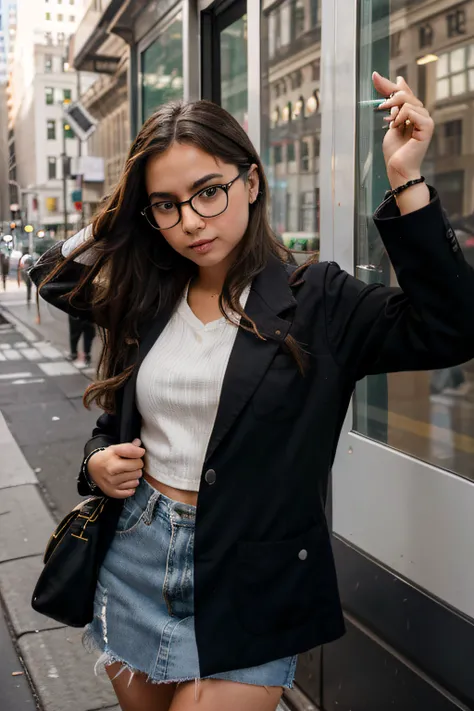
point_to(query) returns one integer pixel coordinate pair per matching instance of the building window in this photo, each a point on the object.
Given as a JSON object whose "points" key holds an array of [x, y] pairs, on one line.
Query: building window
{"points": [[425, 32], [298, 111], [49, 95], [277, 155], [47, 16], [308, 211], [316, 70], [61, 37], [60, 2], [297, 17], [162, 68], [67, 95], [60, 17], [72, 18], [455, 73], [48, 64], [449, 139], [290, 155], [314, 12], [312, 103], [71, 2], [456, 22], [304, 156], [48, 37], [51, 168], [68, 132], [50, 129]]}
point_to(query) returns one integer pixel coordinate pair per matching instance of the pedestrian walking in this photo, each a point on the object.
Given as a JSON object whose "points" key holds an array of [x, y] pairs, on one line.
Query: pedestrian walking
{"points": [[5, 268], [24, 263], [80, 327], [226, 375]]}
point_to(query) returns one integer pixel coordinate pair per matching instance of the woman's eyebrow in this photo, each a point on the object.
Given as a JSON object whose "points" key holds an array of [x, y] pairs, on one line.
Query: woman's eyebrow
{"points": [[195, 186]]}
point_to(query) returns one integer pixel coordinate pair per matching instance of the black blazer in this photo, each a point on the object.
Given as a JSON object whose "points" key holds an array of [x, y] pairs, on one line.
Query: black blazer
{"points": [[265, 582]]}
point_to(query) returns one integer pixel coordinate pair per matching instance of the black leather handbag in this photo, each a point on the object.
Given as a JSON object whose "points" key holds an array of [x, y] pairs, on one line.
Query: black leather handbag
{"points": [[66, 587]]}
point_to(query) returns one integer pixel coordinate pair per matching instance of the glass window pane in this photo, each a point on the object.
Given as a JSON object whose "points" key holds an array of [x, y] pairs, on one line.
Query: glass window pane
{"points": [[457, 61], [458, 84], [285, 24], [162, 68], [234, 75], [426, 415], [292, 117], [470, 56], [442, 66], [442, 89], [471, 80]]}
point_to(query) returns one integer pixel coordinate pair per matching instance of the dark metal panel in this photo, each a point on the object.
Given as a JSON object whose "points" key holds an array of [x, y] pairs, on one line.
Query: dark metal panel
{"points": [[437, 639], [362, 675]]}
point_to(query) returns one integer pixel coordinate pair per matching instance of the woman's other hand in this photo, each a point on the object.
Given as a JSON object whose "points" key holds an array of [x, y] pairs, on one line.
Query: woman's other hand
{"points": [[117, 469], [410, 130]]}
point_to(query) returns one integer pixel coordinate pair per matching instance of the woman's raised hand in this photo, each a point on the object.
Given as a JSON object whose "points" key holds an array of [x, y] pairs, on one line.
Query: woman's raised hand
{"points": [[410, 130]]}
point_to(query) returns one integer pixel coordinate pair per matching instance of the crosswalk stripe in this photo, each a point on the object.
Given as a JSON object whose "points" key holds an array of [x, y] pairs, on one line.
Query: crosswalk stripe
{"points": [[12, 376]]}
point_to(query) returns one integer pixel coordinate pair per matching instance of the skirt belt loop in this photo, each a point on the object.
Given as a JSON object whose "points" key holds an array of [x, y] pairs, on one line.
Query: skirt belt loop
{"points": [[150, 508]]}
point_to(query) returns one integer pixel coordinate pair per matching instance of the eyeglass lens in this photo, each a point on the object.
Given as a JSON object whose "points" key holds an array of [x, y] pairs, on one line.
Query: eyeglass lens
{"points": [[208, 203]]}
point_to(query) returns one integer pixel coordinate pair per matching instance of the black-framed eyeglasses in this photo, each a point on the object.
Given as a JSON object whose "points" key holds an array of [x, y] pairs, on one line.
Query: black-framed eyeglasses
{"points": [[207, 202]]}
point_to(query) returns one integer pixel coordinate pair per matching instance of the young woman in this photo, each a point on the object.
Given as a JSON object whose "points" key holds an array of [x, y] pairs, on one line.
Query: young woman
{"points": [[225, 378]]}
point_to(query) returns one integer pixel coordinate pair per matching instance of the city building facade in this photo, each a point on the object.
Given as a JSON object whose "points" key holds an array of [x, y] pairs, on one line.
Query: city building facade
{"points": [[42, 143], [297, 75]]}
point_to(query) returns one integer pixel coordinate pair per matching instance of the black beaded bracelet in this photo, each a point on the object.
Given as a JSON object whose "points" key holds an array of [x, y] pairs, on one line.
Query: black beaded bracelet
{"points": [[91, 484], [401, 188]]}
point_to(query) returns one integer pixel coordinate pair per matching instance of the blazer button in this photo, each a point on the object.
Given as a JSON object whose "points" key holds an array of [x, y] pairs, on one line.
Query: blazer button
{"points": [[210, 476], [303, 554]]}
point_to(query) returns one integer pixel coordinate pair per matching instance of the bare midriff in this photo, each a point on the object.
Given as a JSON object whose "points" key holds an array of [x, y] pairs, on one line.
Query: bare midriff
{"points": [[186, 497]]}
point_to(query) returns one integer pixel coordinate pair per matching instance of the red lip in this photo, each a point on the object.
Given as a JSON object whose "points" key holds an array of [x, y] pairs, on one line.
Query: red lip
{"points": [[201, 242]]}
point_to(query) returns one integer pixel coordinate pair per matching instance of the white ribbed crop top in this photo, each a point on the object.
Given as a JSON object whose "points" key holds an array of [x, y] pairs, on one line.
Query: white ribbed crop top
{"points": [[178, 389]]}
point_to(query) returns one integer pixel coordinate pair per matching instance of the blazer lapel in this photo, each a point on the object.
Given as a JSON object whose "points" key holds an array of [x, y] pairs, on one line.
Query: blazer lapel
{"points": [[269, 296]]}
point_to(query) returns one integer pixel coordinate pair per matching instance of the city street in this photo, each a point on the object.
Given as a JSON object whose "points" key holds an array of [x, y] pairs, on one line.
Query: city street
{"points": [[43, 427]]}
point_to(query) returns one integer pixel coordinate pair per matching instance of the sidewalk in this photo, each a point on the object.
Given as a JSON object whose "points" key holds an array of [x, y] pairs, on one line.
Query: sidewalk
{"points": [[40, 402]]}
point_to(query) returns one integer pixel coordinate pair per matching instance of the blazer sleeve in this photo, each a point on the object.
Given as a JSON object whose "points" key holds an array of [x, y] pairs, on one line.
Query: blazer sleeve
{"points": [[56, 291], [105, 433], [425, 324]]}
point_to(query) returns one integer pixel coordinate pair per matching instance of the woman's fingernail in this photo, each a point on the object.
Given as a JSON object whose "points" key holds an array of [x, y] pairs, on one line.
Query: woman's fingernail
{"points": [[391, 124], [137, 442]]}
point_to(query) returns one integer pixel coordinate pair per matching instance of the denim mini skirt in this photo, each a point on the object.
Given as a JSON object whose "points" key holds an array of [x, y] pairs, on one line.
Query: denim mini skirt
{"points": [[144, 602]]}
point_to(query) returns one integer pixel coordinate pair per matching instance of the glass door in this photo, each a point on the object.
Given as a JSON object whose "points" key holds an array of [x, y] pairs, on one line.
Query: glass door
{"points": [[224, 57]]}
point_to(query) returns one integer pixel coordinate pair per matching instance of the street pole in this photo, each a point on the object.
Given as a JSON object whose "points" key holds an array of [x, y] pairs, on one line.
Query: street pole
{"points": [[79, 151], [64, 163]]}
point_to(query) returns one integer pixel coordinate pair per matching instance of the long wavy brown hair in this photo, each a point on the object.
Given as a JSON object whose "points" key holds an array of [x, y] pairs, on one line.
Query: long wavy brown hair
{"points": [[136, 273]]}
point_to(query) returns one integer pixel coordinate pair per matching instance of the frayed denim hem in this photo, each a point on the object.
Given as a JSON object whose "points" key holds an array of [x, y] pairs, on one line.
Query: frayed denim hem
{"points": [[107, 658]]}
